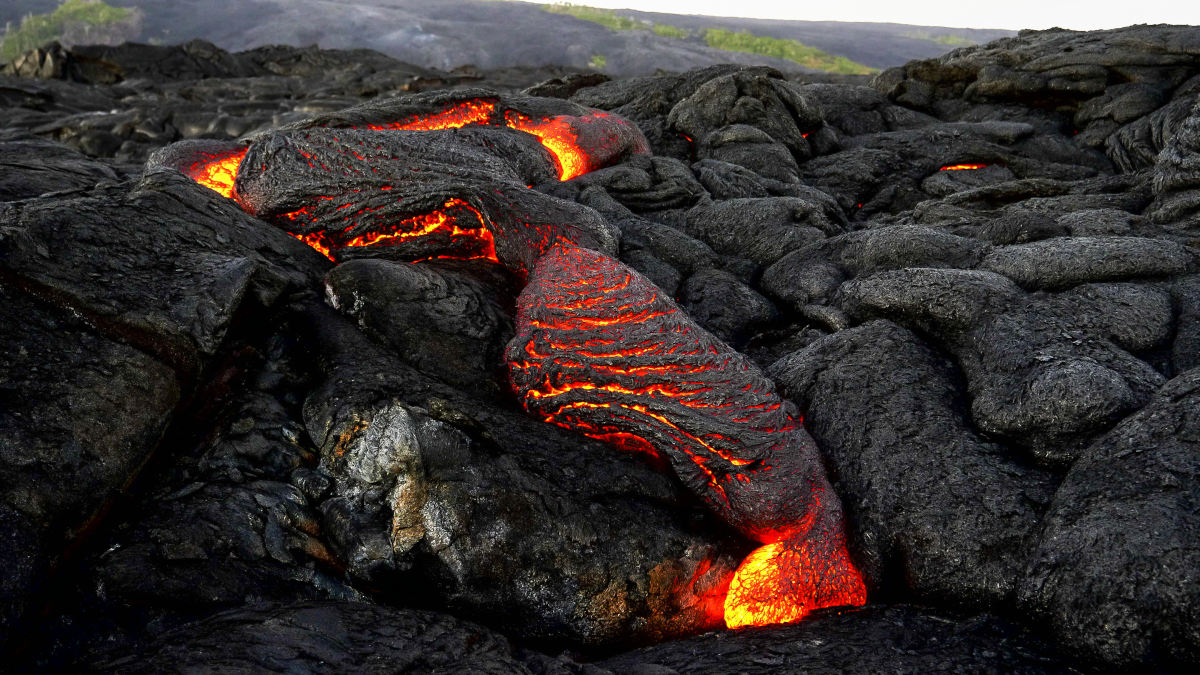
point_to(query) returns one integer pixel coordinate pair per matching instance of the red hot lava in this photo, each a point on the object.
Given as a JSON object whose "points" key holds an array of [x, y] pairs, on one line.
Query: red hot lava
{"points": [[217, 173], [600, 350]]}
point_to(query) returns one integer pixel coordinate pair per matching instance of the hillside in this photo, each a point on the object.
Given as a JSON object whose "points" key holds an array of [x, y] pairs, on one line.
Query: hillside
{"points": [[459, 32]]}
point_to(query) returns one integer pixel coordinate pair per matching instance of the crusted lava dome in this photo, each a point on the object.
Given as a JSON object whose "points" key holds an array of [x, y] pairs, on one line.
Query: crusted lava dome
{"points": [[601, 350]]}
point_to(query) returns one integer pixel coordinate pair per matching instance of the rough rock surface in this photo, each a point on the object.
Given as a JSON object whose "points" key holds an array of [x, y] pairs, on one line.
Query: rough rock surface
{"points": [[1135, 491], [976, 278], [956, 519], [874, 639], [325, 636], [81, 413]]}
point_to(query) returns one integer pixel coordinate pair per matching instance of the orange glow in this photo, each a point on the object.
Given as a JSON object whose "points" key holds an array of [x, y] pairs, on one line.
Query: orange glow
{"points": [[315, 240], [557, 136], [962, 167], [217, 175], [481, 242], [774, 584], [466, 113]]}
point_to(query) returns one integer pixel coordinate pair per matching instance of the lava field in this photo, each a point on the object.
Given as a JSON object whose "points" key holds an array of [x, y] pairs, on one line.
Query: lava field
{"points": [[322, 362]]}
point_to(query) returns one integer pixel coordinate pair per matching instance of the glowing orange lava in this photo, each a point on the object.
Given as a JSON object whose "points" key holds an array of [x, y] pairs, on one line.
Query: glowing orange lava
{"points": [[479, 240], [774, 584], [601, 350], [557, 137], [962, 167], [218, 174], [466, 113]]}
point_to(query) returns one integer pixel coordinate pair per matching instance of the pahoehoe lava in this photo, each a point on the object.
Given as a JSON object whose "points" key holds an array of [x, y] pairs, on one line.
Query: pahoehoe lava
{"points": [[316, 360], [598, 349]]}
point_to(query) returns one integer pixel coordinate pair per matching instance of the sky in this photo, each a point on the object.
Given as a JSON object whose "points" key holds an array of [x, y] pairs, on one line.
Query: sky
{"points": [[1011, 14]]}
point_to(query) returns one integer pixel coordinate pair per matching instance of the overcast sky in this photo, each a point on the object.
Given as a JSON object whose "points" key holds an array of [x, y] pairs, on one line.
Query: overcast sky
{"points": [[1011, 14]]}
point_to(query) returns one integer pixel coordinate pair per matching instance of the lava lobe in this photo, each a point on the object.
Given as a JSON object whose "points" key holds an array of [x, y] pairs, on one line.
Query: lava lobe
{"points": [[598, 348]]}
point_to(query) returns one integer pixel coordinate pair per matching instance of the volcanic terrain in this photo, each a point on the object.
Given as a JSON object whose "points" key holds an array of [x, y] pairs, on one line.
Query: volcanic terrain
{"points": [[319, 361]]}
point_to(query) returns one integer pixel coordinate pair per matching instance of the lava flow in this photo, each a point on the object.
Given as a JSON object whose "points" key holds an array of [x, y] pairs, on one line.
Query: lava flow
{"points": [[462, 114], [217, 172], [476, 243], [963, 167], [598, 348]]}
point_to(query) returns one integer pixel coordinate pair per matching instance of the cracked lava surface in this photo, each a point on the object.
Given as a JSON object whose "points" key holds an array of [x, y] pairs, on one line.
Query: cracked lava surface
{"points": [[599, 349]]}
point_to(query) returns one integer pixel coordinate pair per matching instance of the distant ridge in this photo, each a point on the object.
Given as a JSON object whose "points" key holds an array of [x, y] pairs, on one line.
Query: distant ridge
{"points": [[453, 33]]}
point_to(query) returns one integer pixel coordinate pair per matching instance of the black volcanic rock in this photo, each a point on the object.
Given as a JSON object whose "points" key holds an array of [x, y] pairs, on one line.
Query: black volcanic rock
{"points": [[949, 514], [324, 636], [1113, 577], [811, 275], [1045, 380], [873, 639], [763, 230], [1176, 181], [499, 516], [165, 264], [35, 166], [80, 413], [444, 323], [1063, 262], [1041, 319], [725, 306]]}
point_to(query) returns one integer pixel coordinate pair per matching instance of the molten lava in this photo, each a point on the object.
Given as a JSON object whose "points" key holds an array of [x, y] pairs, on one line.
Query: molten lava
{"points": [[962, 167], [784, 581], [465, 113], [557, 136], [218, 174], [598, 348], [470, 243]]}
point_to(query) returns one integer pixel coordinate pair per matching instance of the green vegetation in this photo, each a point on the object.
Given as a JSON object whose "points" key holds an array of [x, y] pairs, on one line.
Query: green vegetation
{"points": [[38, 29], [791, 50], [598, 62], [604, 17], [670, 31], [942, 39]]}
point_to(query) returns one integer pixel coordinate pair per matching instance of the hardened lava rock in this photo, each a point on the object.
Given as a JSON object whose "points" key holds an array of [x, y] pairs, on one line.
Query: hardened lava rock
{"points": [[1114, 574], [963, 538]]}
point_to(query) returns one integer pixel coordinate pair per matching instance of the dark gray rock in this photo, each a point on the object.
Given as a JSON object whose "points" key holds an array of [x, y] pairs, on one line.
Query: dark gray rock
{"points": [[642, 184], [443, 323], [1176, 180], [1044, 380], [166, 264], [936, 510], [751, 148], [812, 274], [79, 415], [323, 636], [726, 307], [663, 275], [671, 245], [1064, 262], [854, 110], [766, 229], [896, 639], [33, 166], [649, 100], [1138, 318], [499, 516], [1113, 578], [1186, 349], [751, 97]]}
